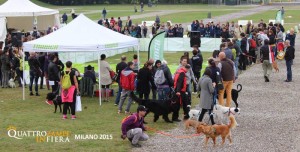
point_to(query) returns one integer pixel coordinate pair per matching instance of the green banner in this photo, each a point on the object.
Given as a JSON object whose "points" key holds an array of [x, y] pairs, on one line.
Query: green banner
{"points": [[156, 46], [278, 17]]}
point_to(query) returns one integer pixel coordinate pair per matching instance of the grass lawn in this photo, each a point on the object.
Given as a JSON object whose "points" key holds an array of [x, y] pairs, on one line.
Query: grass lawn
{"points": [[34, 114], [185, 17]]}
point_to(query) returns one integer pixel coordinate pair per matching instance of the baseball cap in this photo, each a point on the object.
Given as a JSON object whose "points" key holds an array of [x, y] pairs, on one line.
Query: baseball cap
{"points": [[141, 108]]}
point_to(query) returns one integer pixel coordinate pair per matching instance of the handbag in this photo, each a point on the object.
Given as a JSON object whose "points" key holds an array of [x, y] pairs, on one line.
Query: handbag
{"points": [[78, 104], [113, 75]]}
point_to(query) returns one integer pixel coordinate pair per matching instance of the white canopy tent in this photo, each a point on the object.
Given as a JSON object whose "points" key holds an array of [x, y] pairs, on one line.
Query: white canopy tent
{"points": [[81, 35], [23, 15]]}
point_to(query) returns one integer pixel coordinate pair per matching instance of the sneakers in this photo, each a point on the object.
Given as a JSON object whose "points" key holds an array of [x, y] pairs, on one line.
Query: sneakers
{"points": [[127, 113], [73, 117], [49, 102], [119, 111], [194, 92], [64, 117], [115, 104], [136, 145], [31, 94]]}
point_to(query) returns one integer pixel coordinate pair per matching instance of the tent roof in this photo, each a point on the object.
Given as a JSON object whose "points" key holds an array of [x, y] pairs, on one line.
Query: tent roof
{"points": [[13, 8], [81, 35]]}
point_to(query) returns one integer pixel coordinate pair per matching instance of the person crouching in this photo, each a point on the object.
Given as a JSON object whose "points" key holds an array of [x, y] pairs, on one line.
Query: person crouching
{"points": [[133, 127]]}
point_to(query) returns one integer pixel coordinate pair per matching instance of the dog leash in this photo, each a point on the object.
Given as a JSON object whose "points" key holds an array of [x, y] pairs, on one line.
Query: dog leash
{"points": [[170, 135]]}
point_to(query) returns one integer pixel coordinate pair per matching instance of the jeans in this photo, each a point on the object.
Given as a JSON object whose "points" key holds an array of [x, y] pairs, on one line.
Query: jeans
{"points": [[163, 93], [197, 76], [33, 77], [5, 78], [227, 88], [289, 69], [124, 95], [236, 64], [119, 94]]}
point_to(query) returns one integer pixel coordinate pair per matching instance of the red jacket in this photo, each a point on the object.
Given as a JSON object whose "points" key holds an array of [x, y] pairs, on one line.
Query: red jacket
{"points": [[127, 79], [180, 80]]}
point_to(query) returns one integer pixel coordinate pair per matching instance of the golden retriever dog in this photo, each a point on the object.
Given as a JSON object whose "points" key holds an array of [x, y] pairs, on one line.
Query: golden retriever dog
{"points": [[217, 130], [192, 123]]}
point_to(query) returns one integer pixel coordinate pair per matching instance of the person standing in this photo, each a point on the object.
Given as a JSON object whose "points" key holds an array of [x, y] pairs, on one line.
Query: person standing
{"points": [[53, 75], [289, 57], [180, 86], [145, 81], [226, 67], [282, 12], [105, 79], [104, 13], [142, 7], [127, 82], [69, 97], [206, 87], [5, 67], [64, 18], [243, 61], [34, 72], [120, 23], [144, 30], [197, 61], [163, 88], [133, 127], [291, 36], [41, 59], [265, 58], [157, 20], [119, 68]]}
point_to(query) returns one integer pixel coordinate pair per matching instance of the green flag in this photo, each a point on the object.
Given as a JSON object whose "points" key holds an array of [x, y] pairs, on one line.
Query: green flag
{"points": [[156, 47], [278, 17]]}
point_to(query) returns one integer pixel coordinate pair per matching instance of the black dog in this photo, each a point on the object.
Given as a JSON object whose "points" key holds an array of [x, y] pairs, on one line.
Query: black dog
{"points": [[235, 94], [56, 101], [158, 107]]}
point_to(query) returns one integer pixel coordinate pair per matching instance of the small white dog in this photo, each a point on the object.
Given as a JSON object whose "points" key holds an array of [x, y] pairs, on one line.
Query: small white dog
{"points": [[194, 114], [11, 83], [222, 113]]}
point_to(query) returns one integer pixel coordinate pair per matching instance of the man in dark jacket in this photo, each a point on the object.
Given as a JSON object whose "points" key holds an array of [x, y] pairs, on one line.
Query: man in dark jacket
{"points": [[104, 13], [266, 65], [64, 18], [89, 73], [119, 68], [133, 127], [53, 74], [180, 87], [197, 61], [41, 59], [291, 36], [289, 56], [226, 67], [243, 58], [35, 72]]}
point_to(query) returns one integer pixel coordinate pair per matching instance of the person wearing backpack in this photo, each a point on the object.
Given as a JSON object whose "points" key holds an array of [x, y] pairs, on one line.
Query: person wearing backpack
{"points": [[163, 80], [144, 79], [69, 85], [133, 127]]}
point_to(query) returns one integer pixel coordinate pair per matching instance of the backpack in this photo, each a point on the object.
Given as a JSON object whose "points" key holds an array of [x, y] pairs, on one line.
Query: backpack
{"points": [[252, 43], [66, 81], [159, 77], [126, 118]]}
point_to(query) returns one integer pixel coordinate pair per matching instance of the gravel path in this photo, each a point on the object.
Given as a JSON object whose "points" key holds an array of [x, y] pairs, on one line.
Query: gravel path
{"points": [[268, 121]]}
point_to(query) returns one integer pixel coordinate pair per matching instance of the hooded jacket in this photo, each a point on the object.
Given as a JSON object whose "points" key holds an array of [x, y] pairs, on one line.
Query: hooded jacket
{"points": [[127, 79]]}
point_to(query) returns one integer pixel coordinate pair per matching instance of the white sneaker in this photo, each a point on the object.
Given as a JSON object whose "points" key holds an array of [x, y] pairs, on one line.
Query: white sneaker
{"points": [[194, 92]]}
